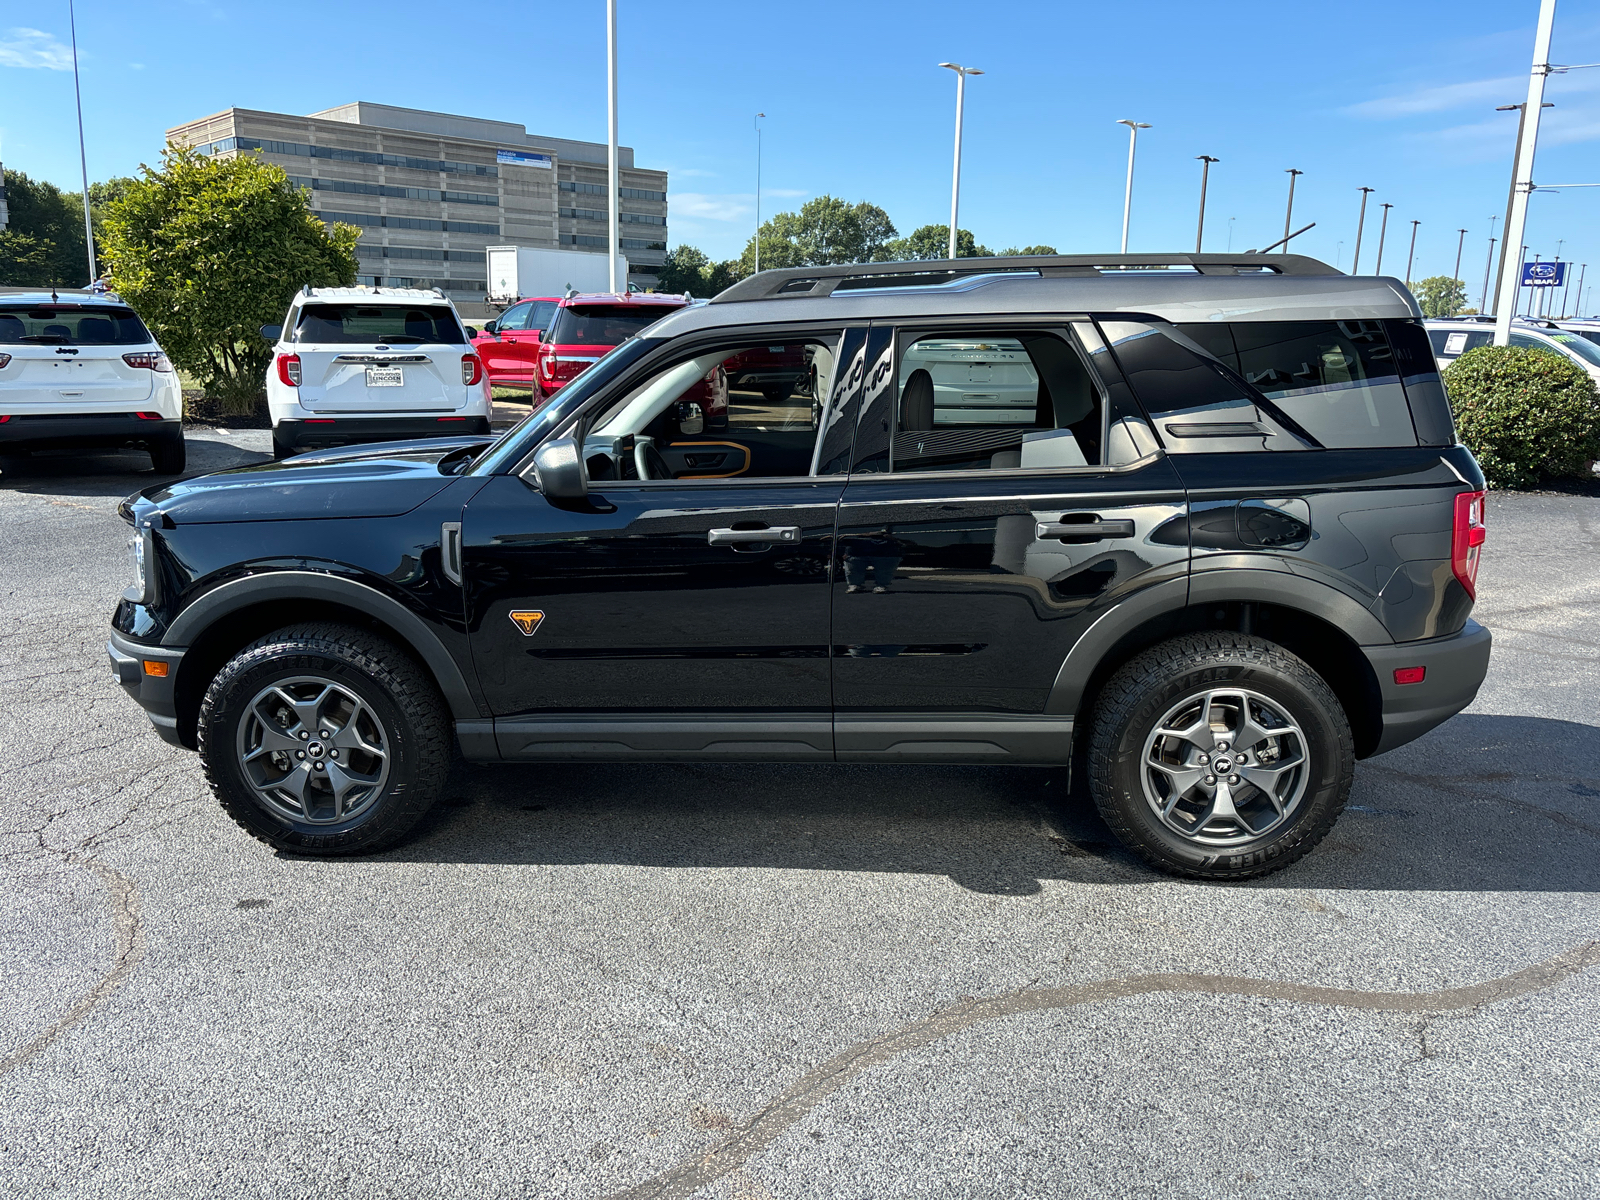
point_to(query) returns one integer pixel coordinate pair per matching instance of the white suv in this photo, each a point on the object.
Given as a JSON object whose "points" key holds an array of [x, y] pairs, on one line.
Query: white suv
{"points": [[1452, 338], [80, 370], [369, 364]]}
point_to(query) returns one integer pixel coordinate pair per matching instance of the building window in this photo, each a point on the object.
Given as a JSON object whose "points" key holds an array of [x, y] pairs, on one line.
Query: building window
{"points": [[399, 193], [639, 244], [409, 223], [628, 193], [301, 150], [596, 189]]}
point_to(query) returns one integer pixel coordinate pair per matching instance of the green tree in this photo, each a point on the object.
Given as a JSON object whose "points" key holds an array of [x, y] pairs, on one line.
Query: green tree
{"points": [[1527, 415], [689, 269], [826, 231], [933, 241], [53, 219], [208, 250], [1012, 251], [24, 260], [1440, 296]]}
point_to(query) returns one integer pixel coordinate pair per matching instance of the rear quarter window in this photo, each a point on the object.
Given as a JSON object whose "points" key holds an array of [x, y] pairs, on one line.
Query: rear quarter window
{"points": [[370, 324], [46, 325]]}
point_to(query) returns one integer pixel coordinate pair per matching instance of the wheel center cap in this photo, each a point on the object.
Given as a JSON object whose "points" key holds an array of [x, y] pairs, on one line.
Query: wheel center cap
{"points": [[314, 749], [1222, 766]]}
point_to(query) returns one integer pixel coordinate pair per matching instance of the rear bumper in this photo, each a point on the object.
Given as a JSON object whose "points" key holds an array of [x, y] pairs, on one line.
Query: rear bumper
{"points": [[156, 694], [48, 431], [353, 431], [1454, 669]]}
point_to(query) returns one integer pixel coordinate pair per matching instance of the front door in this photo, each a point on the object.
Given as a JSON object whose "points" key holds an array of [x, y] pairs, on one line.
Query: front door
{"points": [[684, 610], [1002, 499]]}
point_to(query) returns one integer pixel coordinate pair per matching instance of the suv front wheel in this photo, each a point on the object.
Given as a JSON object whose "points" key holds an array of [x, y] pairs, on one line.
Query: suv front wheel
{"points": [[1220, 756], [324, 739]]}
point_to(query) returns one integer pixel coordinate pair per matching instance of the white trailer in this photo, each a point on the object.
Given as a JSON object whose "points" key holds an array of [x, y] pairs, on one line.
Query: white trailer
{"points": [[518, 271]]}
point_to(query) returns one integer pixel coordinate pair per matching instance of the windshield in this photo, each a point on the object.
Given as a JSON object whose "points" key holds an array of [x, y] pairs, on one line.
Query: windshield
{"points": [[1584, 349], [49, 325], [509, 449], [378, 324], [603, 324]]}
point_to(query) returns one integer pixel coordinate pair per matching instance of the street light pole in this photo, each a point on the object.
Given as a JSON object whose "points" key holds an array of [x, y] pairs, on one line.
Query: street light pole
{"points": [[1488, 265], [83, 158], [1288, 215], [1411, 257], [1460, 242], [955, 179], [1383, 233], [1361, 224], [757, 123], [1127, 195], [1205, 170], [1582, 275], [613, 178], [1517, 214]]}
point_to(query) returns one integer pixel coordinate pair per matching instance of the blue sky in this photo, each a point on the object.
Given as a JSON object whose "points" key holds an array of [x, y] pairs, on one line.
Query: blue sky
{"points": [[1396, 96]]}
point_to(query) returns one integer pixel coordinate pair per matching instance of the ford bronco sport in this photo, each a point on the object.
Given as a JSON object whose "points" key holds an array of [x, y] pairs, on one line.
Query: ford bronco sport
{"points": [[1231, 550]]}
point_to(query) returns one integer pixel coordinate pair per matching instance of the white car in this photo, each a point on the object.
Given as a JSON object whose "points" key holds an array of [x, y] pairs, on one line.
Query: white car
{"points": [[990, 381], [1451, 339], [79, 370], [367, 364]]}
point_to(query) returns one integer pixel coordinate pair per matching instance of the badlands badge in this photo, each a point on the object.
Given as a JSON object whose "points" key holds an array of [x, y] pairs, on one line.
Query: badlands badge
{"points": [[527, 621]]}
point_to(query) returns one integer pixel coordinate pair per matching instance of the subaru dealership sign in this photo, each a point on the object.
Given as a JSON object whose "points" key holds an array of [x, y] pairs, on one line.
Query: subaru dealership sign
{"points": [[1544, 274]]}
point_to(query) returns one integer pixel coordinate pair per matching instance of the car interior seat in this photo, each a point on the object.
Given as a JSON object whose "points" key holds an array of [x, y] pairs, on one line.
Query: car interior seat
{"points": [[12, 329], [419, 326], [60, 331], [916, 402], [94, 329]]}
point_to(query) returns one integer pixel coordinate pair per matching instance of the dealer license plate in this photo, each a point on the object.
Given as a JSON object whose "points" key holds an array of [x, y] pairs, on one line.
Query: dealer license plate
{"points": [[385, 377]]}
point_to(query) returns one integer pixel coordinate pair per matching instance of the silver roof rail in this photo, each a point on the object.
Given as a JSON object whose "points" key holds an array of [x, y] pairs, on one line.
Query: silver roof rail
{"points": [[812, 282]]}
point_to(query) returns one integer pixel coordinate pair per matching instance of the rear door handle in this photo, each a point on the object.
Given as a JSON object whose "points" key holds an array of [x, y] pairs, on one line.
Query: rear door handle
{"points": [[739, 537], [1088, 531]]}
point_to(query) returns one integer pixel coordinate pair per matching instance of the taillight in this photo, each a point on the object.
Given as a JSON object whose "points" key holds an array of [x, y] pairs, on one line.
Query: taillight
{"points": [[289, 370], [148, 416], [471, 369], [1466, 542], [4, 359], [149, 360]]}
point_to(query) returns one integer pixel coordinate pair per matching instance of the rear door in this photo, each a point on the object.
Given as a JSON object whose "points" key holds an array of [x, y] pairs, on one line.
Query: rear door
{"points": [[380, 358], [66, 359], [974, 548]]}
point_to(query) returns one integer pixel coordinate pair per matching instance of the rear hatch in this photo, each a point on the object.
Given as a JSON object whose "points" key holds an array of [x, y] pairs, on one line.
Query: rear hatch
{"points": [[380, 358], [68, 358], [582, 334]]}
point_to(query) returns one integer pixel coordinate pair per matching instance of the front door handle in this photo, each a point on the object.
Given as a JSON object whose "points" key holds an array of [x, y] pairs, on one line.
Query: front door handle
{"points": [[740, 537], [1087, 531]]}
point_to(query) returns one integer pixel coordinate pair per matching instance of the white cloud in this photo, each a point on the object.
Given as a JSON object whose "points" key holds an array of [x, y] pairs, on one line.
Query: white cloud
{"points": [[136, 66], [24, 47], [1506, 90], [710, 207], [784, 192]]}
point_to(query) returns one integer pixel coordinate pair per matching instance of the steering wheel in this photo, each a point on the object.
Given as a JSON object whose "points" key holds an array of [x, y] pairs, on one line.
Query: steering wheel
{"points": [[647, 460]]}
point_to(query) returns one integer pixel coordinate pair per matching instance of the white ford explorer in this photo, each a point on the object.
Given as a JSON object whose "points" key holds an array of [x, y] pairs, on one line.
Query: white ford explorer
{"points": [[368, 364], [79, 370]]}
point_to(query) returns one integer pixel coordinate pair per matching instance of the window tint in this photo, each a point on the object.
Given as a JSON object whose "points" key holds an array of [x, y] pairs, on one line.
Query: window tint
{"points": [[1576, 345], [977, 400], [1419, 375], [543, 312], [367, 324], [515, 317], [51, 326], [1337, 379], [603, 324]]}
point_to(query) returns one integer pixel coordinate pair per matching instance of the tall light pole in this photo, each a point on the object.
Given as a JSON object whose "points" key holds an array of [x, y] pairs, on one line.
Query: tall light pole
{"points": [[1288, 213], [1383, 232], [1522, 181], [1460, 242], [1505, 246], [1127, 195], [1411, 257], [955, 178], [757, 123], [613, 177], [1488, 265], [1361, 224], [1582, 275], [1205, 161], [1231, 220], [83, 158]]}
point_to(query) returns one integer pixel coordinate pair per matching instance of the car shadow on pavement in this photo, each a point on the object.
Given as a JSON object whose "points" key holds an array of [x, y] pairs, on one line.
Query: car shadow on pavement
{"points": [[1485, 803], [115, 474]]}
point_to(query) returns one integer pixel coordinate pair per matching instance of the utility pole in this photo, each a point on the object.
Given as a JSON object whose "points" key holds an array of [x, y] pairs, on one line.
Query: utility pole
{"points": [[1288, 214], [1522, 181], [1361, 224], [83, 158], [1383, 232], [613, 176], [1205, 171], [757, 123]]}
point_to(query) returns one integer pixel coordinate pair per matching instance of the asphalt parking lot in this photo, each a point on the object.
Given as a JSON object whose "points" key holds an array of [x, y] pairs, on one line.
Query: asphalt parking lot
{"points": [[752, 983]]}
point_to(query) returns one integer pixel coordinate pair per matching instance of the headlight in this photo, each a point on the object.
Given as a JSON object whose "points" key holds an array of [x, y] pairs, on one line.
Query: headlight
{"points": [[140, 552]]}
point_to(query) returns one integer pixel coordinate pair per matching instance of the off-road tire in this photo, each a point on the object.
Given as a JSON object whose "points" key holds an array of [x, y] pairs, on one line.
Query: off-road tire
{"points": [[1144, 690], [169, 456], [403, 698]]}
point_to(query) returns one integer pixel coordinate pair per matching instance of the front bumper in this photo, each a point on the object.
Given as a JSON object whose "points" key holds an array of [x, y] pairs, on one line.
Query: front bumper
{"points": [[133, 665], [1454, 669], [353, 431], [49, 431]]}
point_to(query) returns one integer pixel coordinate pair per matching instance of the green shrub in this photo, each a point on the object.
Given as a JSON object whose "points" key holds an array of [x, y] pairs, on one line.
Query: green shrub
{"points": [[1528, 415]]}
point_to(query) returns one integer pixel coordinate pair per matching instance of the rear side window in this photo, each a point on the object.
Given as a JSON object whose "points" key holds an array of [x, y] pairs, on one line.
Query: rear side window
{"points": [[603, 324], [386, 324], [53, 326], [1453, 343]]}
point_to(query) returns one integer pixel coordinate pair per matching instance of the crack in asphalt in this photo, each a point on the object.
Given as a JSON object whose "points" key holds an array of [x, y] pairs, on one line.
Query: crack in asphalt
{"points": [[784, 1111], [129, 928]]}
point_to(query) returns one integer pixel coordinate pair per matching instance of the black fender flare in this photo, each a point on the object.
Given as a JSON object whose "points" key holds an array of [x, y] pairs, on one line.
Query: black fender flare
{"points": [[1243, 584], [251, 590]]}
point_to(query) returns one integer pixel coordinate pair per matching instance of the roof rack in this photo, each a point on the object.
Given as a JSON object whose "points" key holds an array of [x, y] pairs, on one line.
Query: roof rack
{"points": [[812, 282]]}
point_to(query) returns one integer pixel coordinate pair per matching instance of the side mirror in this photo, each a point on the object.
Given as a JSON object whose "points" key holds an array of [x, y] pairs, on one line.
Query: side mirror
{"points": [[272, 332], [558, 464], [691, 419], [472, 332], [492, 327]]}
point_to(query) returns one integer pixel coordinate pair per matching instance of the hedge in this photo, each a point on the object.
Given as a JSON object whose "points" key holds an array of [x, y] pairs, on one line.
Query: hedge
{"points": [[1528, 415]]}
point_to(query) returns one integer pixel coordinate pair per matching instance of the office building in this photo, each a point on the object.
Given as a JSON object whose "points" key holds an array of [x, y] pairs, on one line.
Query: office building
{"points": [[431, 190]]}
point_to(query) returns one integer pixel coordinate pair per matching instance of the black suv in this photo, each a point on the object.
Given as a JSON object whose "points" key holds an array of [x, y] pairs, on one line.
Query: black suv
{"points": [[1198, 519]]}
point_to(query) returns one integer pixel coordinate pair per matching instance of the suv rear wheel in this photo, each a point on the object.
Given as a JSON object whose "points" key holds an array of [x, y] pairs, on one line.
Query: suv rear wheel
{"points": [[1220, 756], [324, 739], [169, 455]]}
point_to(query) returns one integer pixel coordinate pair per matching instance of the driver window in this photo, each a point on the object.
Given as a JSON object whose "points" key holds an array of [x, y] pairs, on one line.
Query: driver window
{"points": [[747, 411], [516, 317]]}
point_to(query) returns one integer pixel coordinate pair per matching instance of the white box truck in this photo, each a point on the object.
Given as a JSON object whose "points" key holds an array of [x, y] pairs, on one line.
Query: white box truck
{"points": [[518, 271]]}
